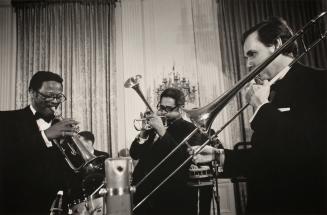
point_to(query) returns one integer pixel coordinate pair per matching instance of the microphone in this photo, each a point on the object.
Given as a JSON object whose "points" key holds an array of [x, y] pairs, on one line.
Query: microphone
{"points": [[118, 195]]}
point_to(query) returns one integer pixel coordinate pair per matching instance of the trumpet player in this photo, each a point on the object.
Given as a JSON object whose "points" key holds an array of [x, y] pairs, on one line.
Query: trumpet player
{"points": [[151, 146], [286, 166], [32, 170]]}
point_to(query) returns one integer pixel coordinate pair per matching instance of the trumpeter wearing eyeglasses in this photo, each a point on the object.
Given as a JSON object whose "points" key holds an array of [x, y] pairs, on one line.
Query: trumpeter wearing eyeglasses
{"points": [[32, 170], [151, 146]]}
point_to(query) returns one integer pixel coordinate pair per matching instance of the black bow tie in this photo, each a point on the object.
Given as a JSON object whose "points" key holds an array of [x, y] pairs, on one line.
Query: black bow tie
{"points": [[45, 118]]}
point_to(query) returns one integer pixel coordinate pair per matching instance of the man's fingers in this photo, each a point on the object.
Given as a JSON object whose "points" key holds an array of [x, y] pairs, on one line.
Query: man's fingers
{"points": [[190, 150], [71, 129], [67, 133], [194, 148], [69, 121], [248, 86], [69, 124], [195, 159], [74, 129]]}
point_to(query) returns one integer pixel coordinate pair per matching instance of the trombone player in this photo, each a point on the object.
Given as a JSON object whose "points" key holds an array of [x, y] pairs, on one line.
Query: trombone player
{"points": [[151, 146], [286, 166]]}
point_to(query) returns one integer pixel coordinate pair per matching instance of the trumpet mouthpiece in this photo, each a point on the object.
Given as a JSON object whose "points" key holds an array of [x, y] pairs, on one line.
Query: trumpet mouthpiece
{"points": [[56, 111]]}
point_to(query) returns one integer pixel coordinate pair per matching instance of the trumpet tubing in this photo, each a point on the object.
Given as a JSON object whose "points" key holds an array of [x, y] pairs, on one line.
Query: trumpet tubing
{"points": [[145, 123], [148, 118]]}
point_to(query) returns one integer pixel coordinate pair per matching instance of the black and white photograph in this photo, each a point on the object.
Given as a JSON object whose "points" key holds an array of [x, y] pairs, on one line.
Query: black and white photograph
{"points": [[163, 107]]}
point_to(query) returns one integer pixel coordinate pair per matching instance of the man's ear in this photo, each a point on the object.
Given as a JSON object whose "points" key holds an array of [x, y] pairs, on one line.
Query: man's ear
{"points": [[180, 109], [278, 43], [31, 93]]}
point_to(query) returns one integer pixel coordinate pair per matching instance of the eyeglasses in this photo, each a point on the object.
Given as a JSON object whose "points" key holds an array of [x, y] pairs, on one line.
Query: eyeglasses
{"points": [[166, 108], [49, 98]]}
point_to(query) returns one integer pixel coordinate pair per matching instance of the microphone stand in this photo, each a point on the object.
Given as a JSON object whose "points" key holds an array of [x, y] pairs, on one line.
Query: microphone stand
{"points": [[216, 170], [217, 167]]}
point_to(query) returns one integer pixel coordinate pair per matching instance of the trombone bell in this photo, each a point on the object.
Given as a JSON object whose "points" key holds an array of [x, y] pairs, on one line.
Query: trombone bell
{"points": [[203, 117]]}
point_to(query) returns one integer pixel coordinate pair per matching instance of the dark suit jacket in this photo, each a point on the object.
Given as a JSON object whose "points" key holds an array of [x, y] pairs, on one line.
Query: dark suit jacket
{"points": [[286, 168], [31, 173], [174, 197]]}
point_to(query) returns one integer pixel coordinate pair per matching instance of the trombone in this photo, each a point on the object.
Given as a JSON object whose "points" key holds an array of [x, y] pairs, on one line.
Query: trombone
{"points": [[203, 117]]}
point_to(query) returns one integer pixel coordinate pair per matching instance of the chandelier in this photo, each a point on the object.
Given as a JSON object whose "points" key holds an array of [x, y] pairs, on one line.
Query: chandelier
{"points": [[178, 83]]}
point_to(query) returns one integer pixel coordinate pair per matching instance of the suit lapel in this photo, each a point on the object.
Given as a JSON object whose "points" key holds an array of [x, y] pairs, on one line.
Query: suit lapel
{"points": [[281, 93], [28, 126]]}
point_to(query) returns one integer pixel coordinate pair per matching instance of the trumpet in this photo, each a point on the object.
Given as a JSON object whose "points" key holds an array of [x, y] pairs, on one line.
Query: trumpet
{"points": [[143, 122], [77, 156], [134, 83]]}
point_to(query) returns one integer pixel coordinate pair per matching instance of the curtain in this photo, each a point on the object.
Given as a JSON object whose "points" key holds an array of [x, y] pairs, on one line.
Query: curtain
{"points": [[236, 16], [212, 80], [7, 57], [73, 39]]}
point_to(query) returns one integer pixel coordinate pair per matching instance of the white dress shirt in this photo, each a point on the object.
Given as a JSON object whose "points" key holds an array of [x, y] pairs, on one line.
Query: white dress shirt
{"points": [[279, 76], [43, 125]]}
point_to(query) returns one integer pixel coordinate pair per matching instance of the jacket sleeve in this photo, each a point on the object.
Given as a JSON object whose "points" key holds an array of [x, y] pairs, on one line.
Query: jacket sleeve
{"points": [[137, 150]]}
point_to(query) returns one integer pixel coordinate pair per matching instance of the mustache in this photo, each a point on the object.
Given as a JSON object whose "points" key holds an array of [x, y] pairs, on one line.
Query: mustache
{"points": [[56, 110]]}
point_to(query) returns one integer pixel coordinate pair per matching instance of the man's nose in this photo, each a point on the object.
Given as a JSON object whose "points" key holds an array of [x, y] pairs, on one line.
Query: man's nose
{"points": [[56, 100]]}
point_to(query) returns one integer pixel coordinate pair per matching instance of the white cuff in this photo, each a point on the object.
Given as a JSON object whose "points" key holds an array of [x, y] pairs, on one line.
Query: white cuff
{"points": [[47, 142], [141, 140]]}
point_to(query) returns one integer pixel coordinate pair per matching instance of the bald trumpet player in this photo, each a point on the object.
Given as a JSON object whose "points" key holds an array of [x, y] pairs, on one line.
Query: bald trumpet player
{"points": [[286, 166], [151, 146]]}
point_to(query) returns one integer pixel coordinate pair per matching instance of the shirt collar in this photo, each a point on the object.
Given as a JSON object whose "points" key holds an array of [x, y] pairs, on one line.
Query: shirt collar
{"points": [[280, 75], [32, 109]]}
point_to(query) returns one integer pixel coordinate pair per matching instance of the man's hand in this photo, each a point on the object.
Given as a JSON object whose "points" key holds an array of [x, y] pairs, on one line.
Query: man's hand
{"points": [[207, 154], [257, 94], [156, 122], [66, 127], [144, 134]]}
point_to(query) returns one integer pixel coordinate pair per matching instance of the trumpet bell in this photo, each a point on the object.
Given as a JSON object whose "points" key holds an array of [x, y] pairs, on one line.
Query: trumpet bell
{"points": [[133, 81], [78, 157]]}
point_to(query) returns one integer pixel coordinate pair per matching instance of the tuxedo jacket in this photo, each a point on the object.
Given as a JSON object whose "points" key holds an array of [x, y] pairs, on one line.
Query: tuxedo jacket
{"points": [[286, 166], [174, 197], [31, 174]]}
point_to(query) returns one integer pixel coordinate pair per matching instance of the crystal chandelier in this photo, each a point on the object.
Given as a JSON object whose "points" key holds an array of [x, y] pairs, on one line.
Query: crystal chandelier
{"points": [[178, 83]]}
